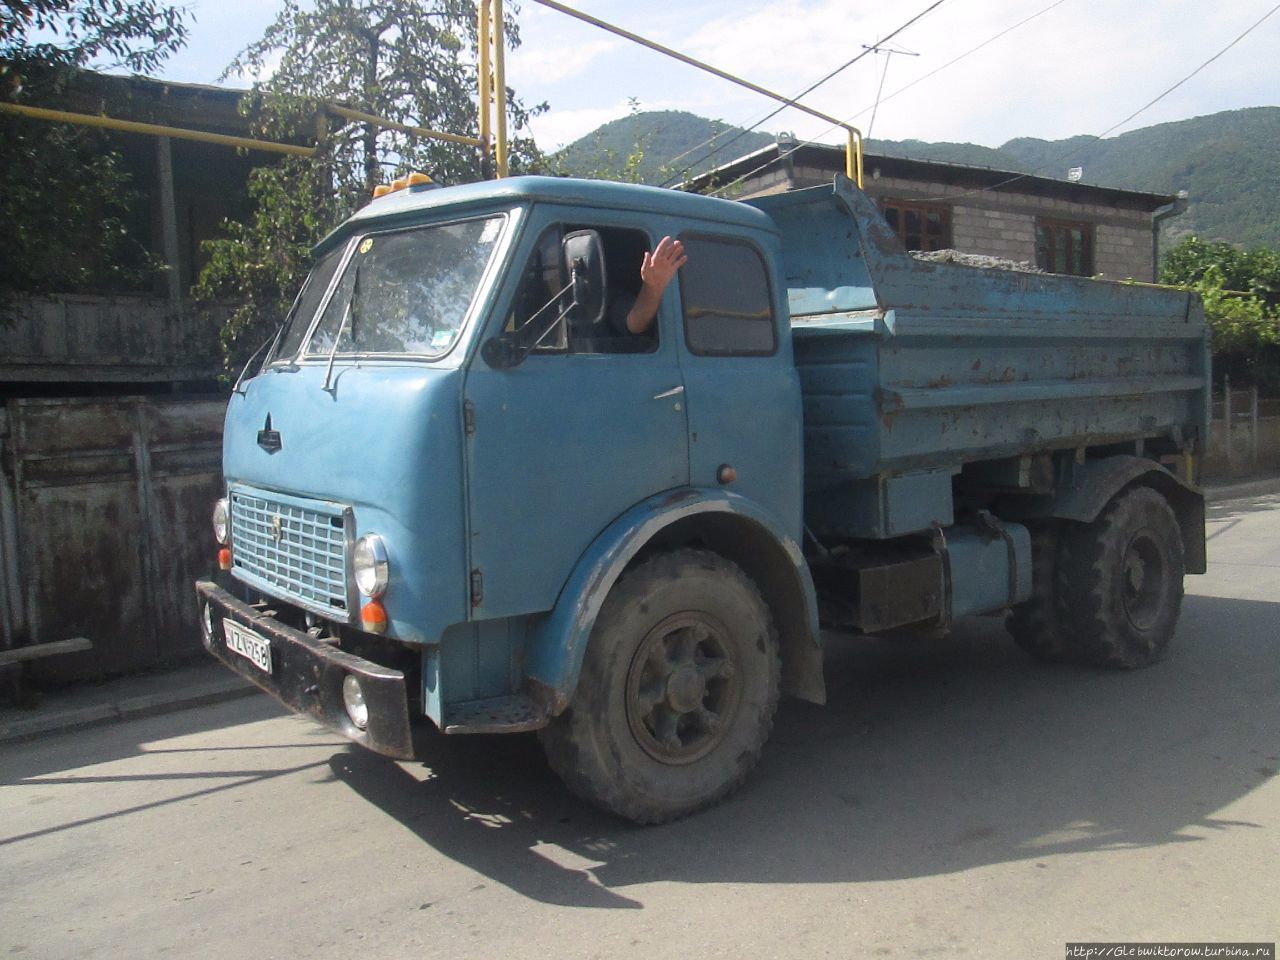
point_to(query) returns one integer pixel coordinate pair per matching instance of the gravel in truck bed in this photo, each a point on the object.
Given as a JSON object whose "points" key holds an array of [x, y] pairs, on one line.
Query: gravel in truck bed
{"points": [[975, 260]]}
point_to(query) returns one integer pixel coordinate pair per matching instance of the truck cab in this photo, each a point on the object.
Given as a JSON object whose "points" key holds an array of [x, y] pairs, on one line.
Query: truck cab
{"points": [[493, 503]]}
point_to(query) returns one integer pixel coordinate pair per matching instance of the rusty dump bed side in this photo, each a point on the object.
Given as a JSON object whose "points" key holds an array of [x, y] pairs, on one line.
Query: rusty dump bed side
{"points": [[909, 367]]}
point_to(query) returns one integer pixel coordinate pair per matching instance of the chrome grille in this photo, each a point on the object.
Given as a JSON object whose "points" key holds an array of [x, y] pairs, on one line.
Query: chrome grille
{"points": [[291, 548]]}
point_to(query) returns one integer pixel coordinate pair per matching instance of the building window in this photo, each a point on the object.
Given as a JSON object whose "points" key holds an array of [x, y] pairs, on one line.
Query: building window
{"points": [[1064, 247], [920, 226]]}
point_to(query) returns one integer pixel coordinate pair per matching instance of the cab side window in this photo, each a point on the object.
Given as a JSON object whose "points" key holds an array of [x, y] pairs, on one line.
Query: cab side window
{"points": [[728, 307], [546, 273]]}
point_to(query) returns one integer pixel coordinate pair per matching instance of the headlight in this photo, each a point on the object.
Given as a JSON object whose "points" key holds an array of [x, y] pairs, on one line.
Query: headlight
{"points": [[369, 562], [222, 521]]}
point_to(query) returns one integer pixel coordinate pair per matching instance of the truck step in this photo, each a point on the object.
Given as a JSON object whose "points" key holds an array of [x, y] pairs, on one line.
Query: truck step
{"points": [[513, 714]]}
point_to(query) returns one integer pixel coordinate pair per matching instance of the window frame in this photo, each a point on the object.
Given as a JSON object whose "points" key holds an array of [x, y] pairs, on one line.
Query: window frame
{"points": [[562, 346], [900, 206], [1055, 228], [769, 289]]}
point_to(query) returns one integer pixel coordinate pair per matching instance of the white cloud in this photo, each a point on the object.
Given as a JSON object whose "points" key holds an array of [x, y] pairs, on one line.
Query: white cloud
{"points": [[1077, 69], [560, 128], [548, 64]]}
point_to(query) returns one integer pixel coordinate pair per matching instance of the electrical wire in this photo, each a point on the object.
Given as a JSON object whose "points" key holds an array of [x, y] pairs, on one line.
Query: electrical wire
{"points": [[805, 92], [931, 73], [1057, 162], [954, 60]]}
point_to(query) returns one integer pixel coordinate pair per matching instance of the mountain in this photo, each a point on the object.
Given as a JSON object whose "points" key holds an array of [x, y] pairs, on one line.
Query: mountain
{"points": [[668, 143], [1229, 163]]}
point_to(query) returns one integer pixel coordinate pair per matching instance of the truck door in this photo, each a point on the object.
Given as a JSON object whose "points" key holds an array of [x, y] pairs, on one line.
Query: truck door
{"points": [[742, 387], [589, 424]]}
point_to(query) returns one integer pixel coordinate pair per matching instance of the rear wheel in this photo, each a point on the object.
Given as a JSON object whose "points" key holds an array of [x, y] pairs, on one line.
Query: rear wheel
{"points": [[678, 690], [1033, 624], [1118, 591]]}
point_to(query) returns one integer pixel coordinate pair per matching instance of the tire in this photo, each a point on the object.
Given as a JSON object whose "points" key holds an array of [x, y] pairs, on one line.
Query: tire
{"points": [[1033, 624], [1119, 584], [677, 694]]}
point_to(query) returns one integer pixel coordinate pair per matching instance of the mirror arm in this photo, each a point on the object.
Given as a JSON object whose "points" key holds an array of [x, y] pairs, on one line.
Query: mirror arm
{"points": [[524, 344]]}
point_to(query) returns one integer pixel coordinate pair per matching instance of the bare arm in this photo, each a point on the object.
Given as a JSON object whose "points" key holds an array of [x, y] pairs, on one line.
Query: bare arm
{"points": [[655, 273]]}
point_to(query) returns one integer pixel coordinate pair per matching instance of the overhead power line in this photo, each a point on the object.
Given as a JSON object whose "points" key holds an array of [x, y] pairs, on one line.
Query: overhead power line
{"points": [[1076, 151], [1056, 163], [866, 50], [954, 60], [949, 63]]}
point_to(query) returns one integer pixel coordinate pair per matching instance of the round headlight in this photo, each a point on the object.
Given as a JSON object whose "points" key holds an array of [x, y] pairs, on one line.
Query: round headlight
{"points": [[369, 563], [222, 521], [353, 700]]}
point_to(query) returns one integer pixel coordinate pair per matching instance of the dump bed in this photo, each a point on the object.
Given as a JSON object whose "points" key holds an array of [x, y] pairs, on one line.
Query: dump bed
{"points": [[909, 367]]}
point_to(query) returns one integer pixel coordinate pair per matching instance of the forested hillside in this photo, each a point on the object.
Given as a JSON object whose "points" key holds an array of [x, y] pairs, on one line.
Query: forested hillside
{"points": [[665, 143], [1229, 163]]}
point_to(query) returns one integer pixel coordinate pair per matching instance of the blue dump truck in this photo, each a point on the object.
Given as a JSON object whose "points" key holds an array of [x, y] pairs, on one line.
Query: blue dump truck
{"points": [[457, 495]]}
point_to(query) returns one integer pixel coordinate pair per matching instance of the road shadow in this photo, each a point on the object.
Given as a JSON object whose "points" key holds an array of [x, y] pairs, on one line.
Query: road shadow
{"points": [[117, 740], [929, 758], [1238, 509]]}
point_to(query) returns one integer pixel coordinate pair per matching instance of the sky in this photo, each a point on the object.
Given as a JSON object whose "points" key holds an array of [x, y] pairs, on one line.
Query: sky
{"points": [[1074, 67]]}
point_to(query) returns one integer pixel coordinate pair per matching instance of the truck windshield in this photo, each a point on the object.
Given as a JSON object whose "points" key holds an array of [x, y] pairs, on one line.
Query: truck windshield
{"points": [[406, 292]]}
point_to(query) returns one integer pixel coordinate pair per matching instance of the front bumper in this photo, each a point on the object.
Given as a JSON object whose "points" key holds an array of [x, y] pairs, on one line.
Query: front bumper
{"points": [[307, 674]]}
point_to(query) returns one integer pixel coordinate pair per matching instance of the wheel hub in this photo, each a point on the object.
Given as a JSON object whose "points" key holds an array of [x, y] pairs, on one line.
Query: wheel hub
{"points": [[1143, 581], [681, 688], [685, 689]]}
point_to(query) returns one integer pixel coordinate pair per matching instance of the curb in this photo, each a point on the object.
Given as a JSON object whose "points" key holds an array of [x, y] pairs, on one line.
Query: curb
{"points": [[1248, 488], [66, 720]]}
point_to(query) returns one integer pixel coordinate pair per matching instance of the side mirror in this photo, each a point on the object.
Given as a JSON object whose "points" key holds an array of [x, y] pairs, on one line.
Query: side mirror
{"points": [[501, 353], [584, 256]]}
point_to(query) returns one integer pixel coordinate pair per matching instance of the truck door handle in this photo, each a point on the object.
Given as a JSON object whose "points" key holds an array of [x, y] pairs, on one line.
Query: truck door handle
{"points": [[673, 392]]}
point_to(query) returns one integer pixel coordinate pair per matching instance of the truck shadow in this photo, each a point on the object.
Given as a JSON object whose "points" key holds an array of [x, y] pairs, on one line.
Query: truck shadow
{"points": [[928, 759]]}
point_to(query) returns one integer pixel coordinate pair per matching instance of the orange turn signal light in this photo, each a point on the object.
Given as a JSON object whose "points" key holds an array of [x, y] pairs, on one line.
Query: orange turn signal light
{"points": [[224, 558], [373, 617], [400, 183]]}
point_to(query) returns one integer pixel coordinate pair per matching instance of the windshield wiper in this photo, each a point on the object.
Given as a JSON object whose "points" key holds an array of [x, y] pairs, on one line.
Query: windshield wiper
{"points": [[347, 314]]}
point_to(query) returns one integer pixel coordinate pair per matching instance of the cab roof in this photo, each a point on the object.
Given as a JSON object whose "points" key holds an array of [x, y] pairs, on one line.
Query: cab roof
{"points": [[413, 203]]}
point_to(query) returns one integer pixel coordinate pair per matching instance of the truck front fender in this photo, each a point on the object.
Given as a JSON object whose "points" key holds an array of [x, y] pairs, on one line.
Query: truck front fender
{"points": [[732, 525], [1092, 485]]}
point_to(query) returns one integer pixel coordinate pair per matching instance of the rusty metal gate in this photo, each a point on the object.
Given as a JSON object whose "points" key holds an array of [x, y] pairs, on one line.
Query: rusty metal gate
{"points": [[104, 523]]}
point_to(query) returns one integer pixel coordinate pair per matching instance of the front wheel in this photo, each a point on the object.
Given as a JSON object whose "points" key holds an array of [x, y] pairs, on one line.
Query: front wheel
{"points": [[678, 690], [1119, 585]]}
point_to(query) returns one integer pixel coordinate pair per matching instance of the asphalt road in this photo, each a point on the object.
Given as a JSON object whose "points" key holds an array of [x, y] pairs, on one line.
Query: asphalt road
{"points": [[953, 799]]}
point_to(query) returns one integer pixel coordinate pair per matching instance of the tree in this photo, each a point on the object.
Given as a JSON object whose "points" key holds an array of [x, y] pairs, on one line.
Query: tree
{"points": [[403, 60], [138, 35], [1241, 294], [62, 190]]}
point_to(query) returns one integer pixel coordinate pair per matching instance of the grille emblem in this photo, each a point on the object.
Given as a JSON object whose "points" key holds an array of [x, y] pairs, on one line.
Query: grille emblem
{"points": [[277, 529], [269, 439]]}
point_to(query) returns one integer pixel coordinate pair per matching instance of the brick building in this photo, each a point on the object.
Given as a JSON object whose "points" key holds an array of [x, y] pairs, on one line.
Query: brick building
{"points": [[1060, 226]]}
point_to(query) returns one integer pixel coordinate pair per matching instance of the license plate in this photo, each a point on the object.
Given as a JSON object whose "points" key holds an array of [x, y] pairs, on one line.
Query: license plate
{"points": [[256, 649]]}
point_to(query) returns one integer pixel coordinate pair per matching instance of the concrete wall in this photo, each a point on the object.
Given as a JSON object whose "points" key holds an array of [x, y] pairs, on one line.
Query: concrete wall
{"points": [[1250, 446], [108, 339]]}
